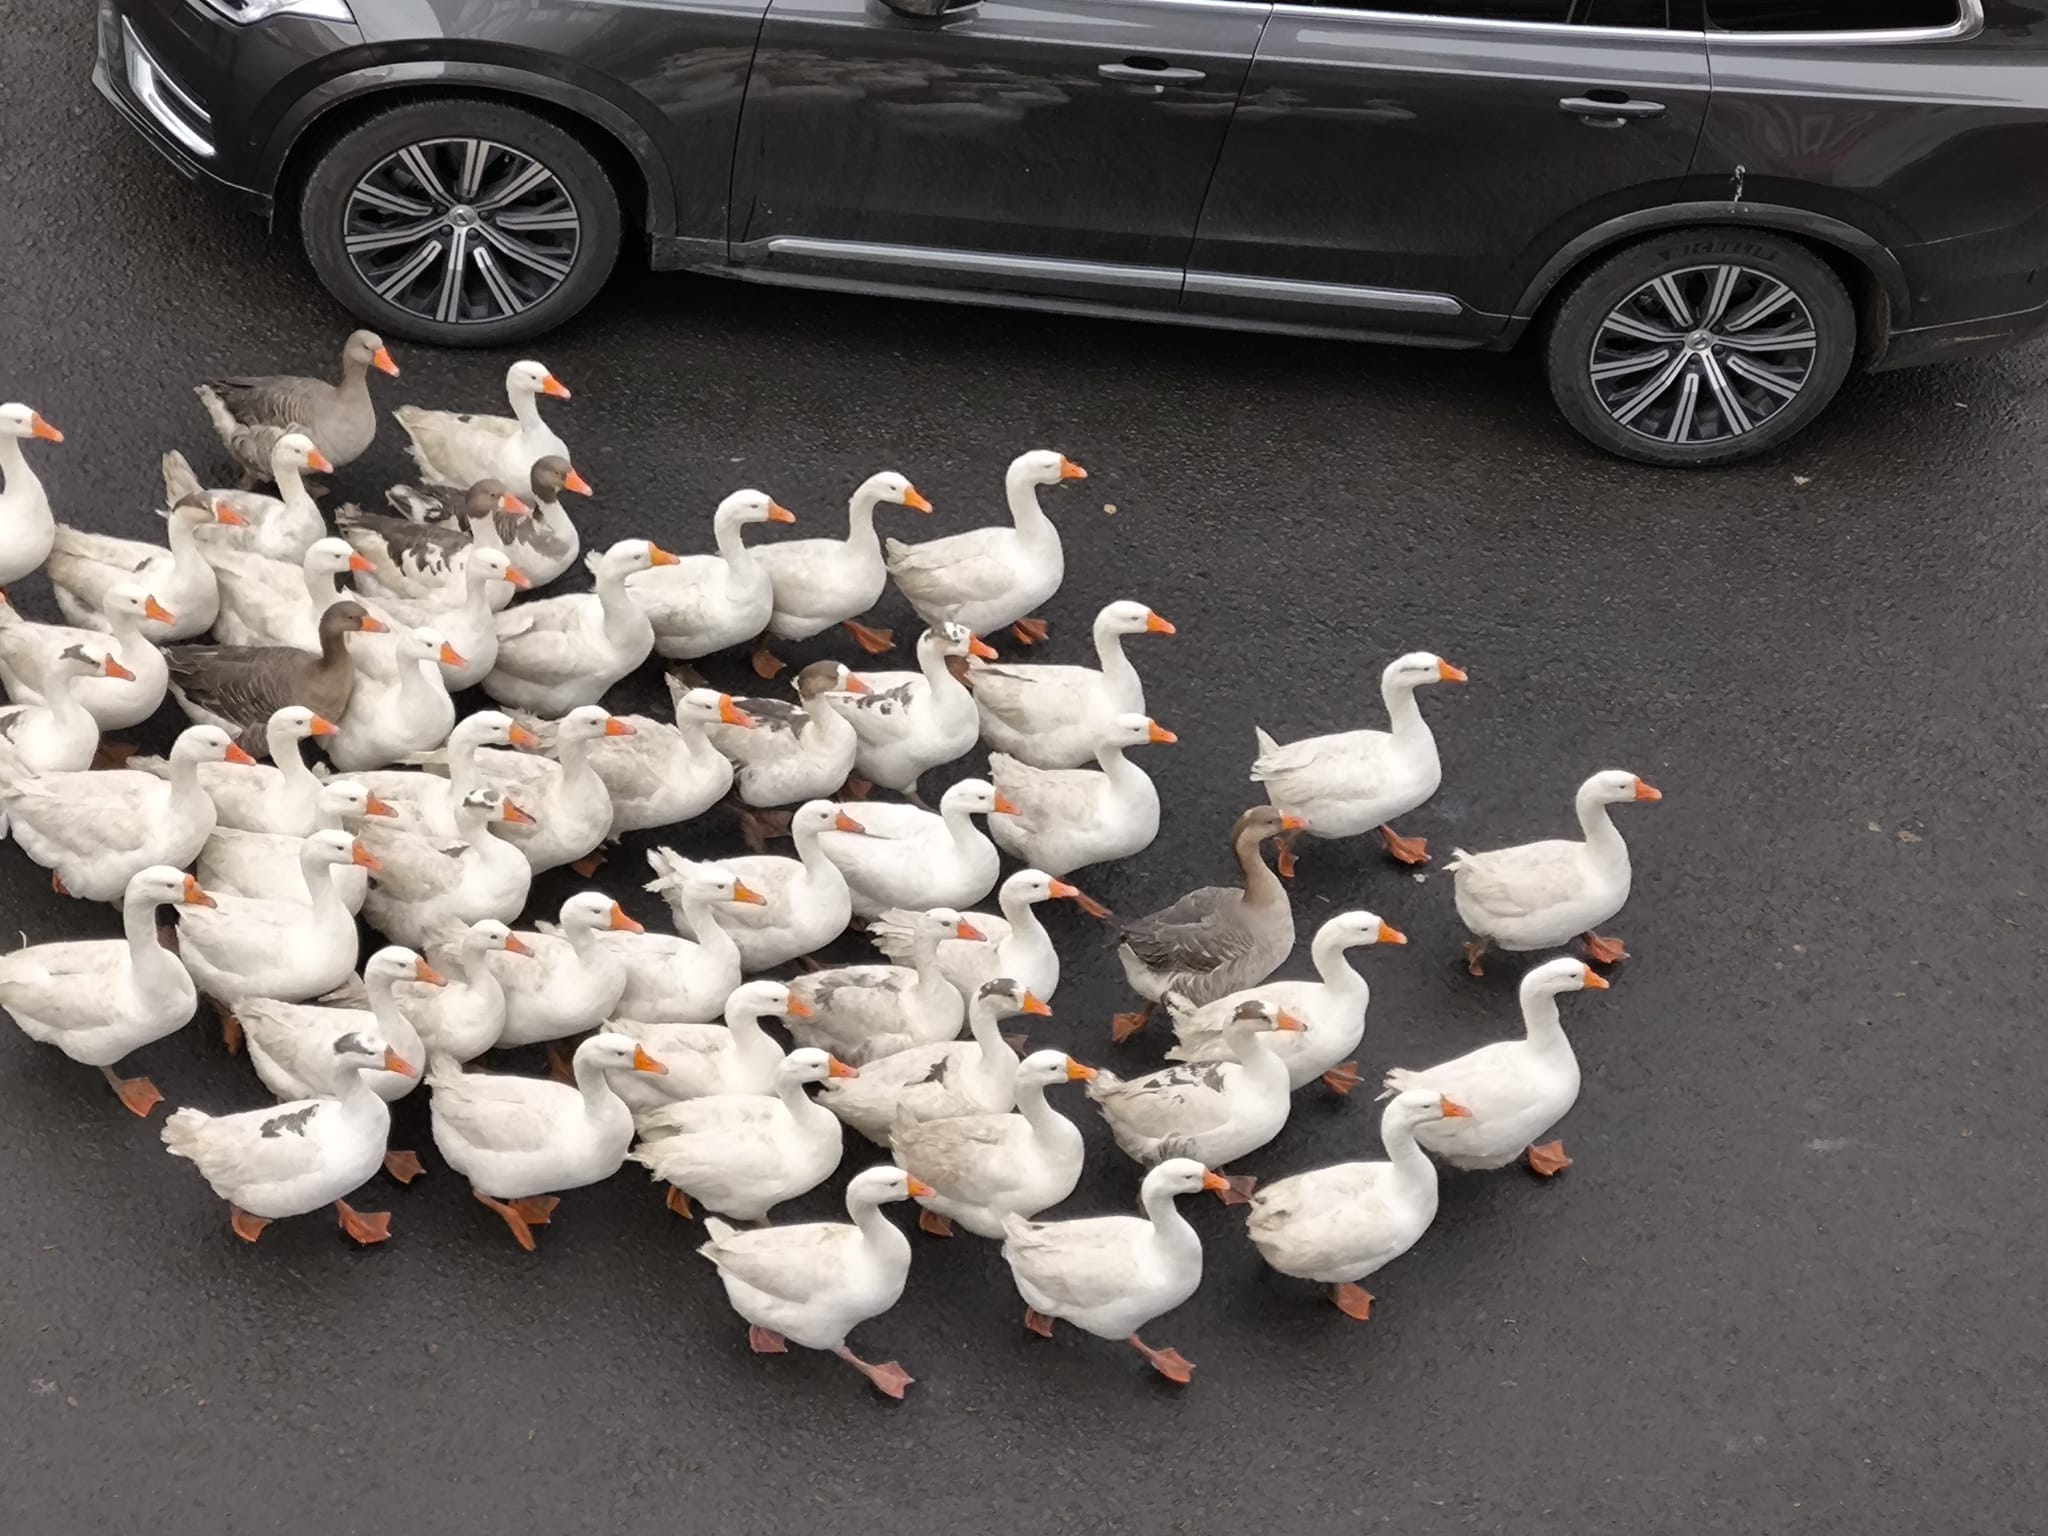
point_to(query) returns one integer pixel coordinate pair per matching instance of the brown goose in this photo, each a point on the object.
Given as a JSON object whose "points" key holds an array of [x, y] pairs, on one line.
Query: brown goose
{"points": [[414, 558], [1218, 939], [543, 545], [239, 687], [250, 414]]}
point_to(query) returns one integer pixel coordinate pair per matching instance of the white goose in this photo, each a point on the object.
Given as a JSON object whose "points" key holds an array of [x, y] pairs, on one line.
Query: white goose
{"points": [[990, 577], [463, 1015], [426, 801], [102, 999], [457, 448], [1354, 781], [27, 650], [563, 651], [1053, 716], [567, 797], [822, 582], [933, 1082], [296, 1157], [861, 1013], [737, 1056], [1065, 818], [280, 527], [906, 722], [1017, 944], [290, 1044], [1331, 1009], [1337, 1225], [805, 903], [1213, 1110], [984, 1168], [1539, 895], [815, 1282], [785, 754], [743, 1154], [903, 855], [657, 774], [518, 1138], [94, 831], [85, 568], [267, 863], [569, 980], [425, 885], [282, 795], [1515, 1089], [392, 717], [26, 527], [59, 735], [1111, 1275], [461, 612], [670, 978], [705, 603], [278, 602]]}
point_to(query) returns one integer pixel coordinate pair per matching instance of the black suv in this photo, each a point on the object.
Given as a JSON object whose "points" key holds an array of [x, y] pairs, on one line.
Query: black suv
{"points": [[1705, 210]]}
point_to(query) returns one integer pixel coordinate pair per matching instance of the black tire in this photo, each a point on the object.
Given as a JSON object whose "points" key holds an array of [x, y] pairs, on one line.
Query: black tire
{"points": [[1731, 415], [501, 298]]}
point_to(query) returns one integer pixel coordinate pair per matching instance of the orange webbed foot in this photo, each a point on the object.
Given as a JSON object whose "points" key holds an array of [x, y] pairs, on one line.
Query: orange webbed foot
{"points": [[766, 663], [1029, 631], [1352, 1300], [766, 1341], [680, 1203], [1549, 1159], [366, 1227], [1605, 951], [1343, 1077], [403, 1166], [1408, 850], [1125, 1025], [934, 1223], [874, 641], [248, 1228], [1038, 1323]]}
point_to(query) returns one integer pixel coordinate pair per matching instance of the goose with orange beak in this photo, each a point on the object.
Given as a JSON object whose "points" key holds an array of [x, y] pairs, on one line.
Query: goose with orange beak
{"points": [[822, 582], [239, 687], [461, 447], [290, 1043], [280, 527], [462, 1014], [904, 855], [1011, 942], [560, 652], [249, 414], [432, 883], [1337, 1225], [862, 1013], [85, 568], [26, 526], [1515, 1090], [1111, 1275], [1068, 818], [279, 602], [783, 753], [673, 979], [1054, 716], [425, 801], [702, 604], [657, 774], [908, 722], [571, 981], [27, 649], [813, 1284], [298, 1156], [991, 578], [1354, 781], [413, 554], [734, 1056], [805, 903], [987, 1167], [58, 735], [281, 796], [520, 1141], [267, 863], [1543, 895], [567, 797], [396, 713], [933, 1082]]}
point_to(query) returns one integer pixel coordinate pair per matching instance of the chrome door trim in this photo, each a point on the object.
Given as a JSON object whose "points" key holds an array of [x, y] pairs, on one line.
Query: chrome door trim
{"points": [[1227, 285], [973, 263]]}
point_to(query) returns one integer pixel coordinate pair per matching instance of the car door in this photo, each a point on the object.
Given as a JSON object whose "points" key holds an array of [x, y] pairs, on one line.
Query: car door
{"points": [[1029, 146], [1409, 172]]}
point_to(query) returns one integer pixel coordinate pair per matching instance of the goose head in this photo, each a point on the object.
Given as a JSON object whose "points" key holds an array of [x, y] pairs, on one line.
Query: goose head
{"points": [[18, 420], [345, 802], [126, 601], [631, 555], [975, 797], [945, 923], [364, 1050], [950, 639], [1005, 998], [349, 618], [826, 677], [1256, 1016], [1181, 1176], [488, 933], [395, 963], [594, 912], [295, 453], [759, 999], [426, 643], [1612, 786], [334, 557], [707, 706], [1129, 618], [207, 744], [84, 660], [160, 885], [486, 498], [878, 1186], [1557, 976], [491, 728], [551, 475], [1035, 885], [1421, 1106], [204, 512], [811, 1065], [1135, 730], [1350, 929], [289, 726], [611, 1052], [481, 567], [744, 507], [333, 847], [1418, 668], [366, 349], [588, 722], [530, 378], [1264, 821], [815, 816], [892, 487], [1045, 466], [481, 807], [1041, 1069]]}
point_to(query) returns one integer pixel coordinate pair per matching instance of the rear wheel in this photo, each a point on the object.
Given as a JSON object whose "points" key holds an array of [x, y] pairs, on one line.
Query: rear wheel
{"points": [[460, 222], [1701, 346]]}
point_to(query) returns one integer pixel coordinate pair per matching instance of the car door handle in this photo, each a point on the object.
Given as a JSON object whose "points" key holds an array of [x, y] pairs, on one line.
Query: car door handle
{"points": [[1621, 110], [1149, 72]]}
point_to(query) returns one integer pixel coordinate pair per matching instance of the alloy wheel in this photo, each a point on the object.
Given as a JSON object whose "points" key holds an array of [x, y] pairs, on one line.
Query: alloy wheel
{"points": [[1703, 354], [462, 231]]}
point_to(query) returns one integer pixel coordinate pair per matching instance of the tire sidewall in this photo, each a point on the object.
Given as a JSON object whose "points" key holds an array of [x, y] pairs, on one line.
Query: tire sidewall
{"points": [[324, 199], [1577, 318]]}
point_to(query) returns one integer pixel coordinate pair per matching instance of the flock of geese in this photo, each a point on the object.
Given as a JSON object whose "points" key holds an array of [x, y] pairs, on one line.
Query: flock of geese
{"points": [[431, 825]]}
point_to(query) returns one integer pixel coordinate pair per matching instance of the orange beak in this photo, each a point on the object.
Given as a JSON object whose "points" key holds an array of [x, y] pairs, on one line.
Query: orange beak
{"points": [[840, 1069], [730, 713], [1033, 1003], [778, 513], [228, 517], [617, 727], [1161, 736], [914, 499], [451, 657], [361, 565], [372, 625], [1076, 1073], [1285, 1021], [194, 896], [1005, 806], [742, 892], [1596, 981], [393, 1062], [550, 385], [976, 646], [152, 609], [797, 1008], [511, 504], [381, 361], [1648, 791], [575, 482], [1446, 673], [1069, 470], [518, 578], [1214, 1182], [520, 736], [917, 1189], [1293, 824], [1080, 899], [966, 930], [322, 726], [1389, 934], [1155, 625], [375, 807], [656, 555], [37, 427], [623, 923], [642, 1062], [512, 813], [514, 945], [235, 754], [1455, 1111], [319, 463], [845, 823], [368, 860], [114, 669], [855, 685], [427, 975]]}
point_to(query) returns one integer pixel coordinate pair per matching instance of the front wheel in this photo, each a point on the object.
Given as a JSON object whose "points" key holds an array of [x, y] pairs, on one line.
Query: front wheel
{"points": [[1701, 346], [460, 222]]}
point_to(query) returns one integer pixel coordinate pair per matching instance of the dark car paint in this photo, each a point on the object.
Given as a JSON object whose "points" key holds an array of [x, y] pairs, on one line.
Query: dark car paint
{"points": [[1361, 185]]}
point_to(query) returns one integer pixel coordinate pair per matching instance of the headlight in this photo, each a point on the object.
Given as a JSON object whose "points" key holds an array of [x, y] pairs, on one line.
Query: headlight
{"points": [[250, 11]]}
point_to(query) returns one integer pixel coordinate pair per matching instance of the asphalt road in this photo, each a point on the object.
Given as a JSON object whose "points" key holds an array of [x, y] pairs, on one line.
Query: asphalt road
{"points": [[1791, 1282]]}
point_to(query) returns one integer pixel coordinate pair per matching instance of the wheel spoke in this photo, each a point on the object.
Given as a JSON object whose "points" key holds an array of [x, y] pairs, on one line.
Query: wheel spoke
{"points": [[1777, 341], [517, 187], [448, 307], [1773, 297], [413, 267], [1777, 384], [1719, 292], [474, 153], [1688, 402], [1635, 404], [384, 239], [547, 218], [1642, 330], [509, 303], [1666, 289], [1623, 366], [414, 157], [1724, 394], [389, 201], [520, 251]]}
